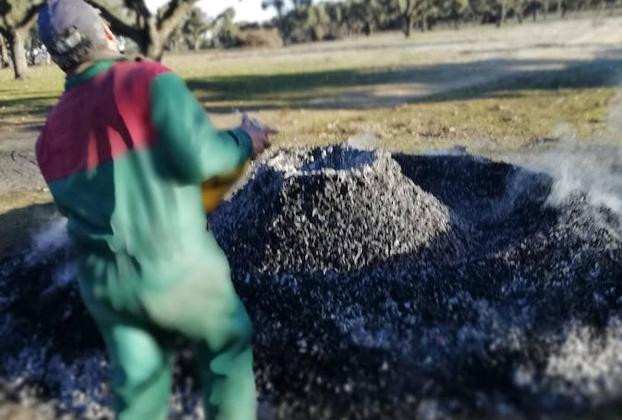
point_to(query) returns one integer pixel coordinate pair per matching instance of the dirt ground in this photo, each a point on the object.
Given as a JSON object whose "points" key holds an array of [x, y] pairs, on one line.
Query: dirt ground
{"points": [[434, 91]]}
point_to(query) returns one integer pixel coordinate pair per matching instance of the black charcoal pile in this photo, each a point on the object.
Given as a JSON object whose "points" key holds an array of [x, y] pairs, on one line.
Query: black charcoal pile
{"points": [[381, 287], [335, 209]]}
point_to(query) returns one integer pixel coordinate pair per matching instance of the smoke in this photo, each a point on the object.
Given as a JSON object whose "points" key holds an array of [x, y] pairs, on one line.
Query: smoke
{"points": [[47, 243], [50, 238], [366, 140], [594, 170], [587, 169], [588, 172], [457, 150], [614, 120]]}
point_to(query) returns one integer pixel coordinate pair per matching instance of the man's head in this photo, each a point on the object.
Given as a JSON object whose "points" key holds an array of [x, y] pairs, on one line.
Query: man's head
{"points": [[74, 33]]}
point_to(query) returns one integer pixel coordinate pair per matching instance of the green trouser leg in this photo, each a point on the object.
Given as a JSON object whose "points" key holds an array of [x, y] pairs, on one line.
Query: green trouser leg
{"points": [[203, 306], [141, 374], [141, 377], [138, 317], [227, 375]]}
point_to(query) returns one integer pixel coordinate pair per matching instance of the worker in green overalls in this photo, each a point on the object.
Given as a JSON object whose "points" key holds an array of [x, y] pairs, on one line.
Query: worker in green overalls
{"points": [[125, 153]]}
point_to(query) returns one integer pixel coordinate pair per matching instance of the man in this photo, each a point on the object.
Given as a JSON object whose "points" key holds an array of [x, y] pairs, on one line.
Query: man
{"points": [[125, 152]]}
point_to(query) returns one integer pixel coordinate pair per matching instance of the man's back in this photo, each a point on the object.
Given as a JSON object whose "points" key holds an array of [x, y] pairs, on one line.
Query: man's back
{"points": [[111, 173], [124, 154]]}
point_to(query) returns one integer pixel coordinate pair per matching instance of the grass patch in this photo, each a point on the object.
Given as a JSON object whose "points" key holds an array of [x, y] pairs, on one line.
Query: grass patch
{"points": [[27, 102], [394, 88], [488, 126]]}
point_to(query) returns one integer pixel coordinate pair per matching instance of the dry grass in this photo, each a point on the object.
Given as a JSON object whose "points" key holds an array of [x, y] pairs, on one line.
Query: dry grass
{"points": [[413, 94]]}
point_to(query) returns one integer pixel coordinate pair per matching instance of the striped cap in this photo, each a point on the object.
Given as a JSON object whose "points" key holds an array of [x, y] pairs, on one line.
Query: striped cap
{"points": [[71, 30]]}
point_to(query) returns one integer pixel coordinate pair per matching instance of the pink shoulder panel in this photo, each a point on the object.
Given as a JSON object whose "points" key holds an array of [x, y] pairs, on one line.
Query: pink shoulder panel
{"points": [[99, 120]]}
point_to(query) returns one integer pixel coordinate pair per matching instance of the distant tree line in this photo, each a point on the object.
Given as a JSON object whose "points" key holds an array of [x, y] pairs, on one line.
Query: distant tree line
{"points": [[303, 20], [180, 24]]}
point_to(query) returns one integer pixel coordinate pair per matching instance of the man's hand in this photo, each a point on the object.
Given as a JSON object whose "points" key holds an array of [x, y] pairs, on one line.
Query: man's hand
{"points": [[258, 133]]}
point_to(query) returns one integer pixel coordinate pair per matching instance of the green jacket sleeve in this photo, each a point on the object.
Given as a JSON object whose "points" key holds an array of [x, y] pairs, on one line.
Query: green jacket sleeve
{"points": [[196, 150]]}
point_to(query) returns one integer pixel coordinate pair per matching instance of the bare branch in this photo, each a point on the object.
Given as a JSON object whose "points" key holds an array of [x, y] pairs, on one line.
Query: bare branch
{"points": [[139, 6], [30, 16], [170, 15], [117, 25]]}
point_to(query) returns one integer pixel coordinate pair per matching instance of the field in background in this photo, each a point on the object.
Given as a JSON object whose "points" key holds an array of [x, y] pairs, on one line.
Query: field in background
{"points": [[485, 87], [492, 90]]}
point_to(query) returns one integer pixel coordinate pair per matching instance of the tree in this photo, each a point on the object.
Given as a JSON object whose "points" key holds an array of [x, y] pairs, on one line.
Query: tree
{"points": [[365, 15], [16, 18], [336, 13], [500, 9], [518, 8], [455, 10], [226, 28], [410, 10], [150, 31], [298, 13], [279, 7], [301, 4], [497, 11], [354, 12], [318, 22], [4, 54], [195, 27]]}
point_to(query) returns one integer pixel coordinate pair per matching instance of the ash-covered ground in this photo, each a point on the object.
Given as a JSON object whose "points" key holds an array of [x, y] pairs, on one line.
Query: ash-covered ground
{"points": [[381, 287]]}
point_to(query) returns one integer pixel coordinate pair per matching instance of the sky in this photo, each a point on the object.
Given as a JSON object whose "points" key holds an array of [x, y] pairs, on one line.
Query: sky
{"points": [[245, 10]]}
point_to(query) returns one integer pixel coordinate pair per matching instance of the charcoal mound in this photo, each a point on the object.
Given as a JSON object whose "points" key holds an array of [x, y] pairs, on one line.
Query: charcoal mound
{"points": [[451, 289], [335, 209]]}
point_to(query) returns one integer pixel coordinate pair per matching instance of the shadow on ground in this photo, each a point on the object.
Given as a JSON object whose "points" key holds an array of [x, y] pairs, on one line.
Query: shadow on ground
{"points": [[376, 87], [13, 111], [363, 88], [18, 225]]}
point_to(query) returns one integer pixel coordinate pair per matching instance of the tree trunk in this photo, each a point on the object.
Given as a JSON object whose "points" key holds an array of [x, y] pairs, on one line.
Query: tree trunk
{"points": [[18, 53], [424, 23], [152, 46], [156, 46], [502, 14], [155, 49], [408, 23], [545, 9], [559, 8], [4, 54]]}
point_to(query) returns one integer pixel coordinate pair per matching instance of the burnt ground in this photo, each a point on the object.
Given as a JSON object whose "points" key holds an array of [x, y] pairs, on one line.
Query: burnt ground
{"points": [[381, 286]]}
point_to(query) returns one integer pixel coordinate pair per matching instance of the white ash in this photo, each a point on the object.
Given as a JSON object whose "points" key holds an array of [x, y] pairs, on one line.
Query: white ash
{"points": [[588, 364], [335, 209]]}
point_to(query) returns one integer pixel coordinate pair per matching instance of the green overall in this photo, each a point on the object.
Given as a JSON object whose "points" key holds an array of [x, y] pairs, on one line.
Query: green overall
{"points": [[125, 152]]}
